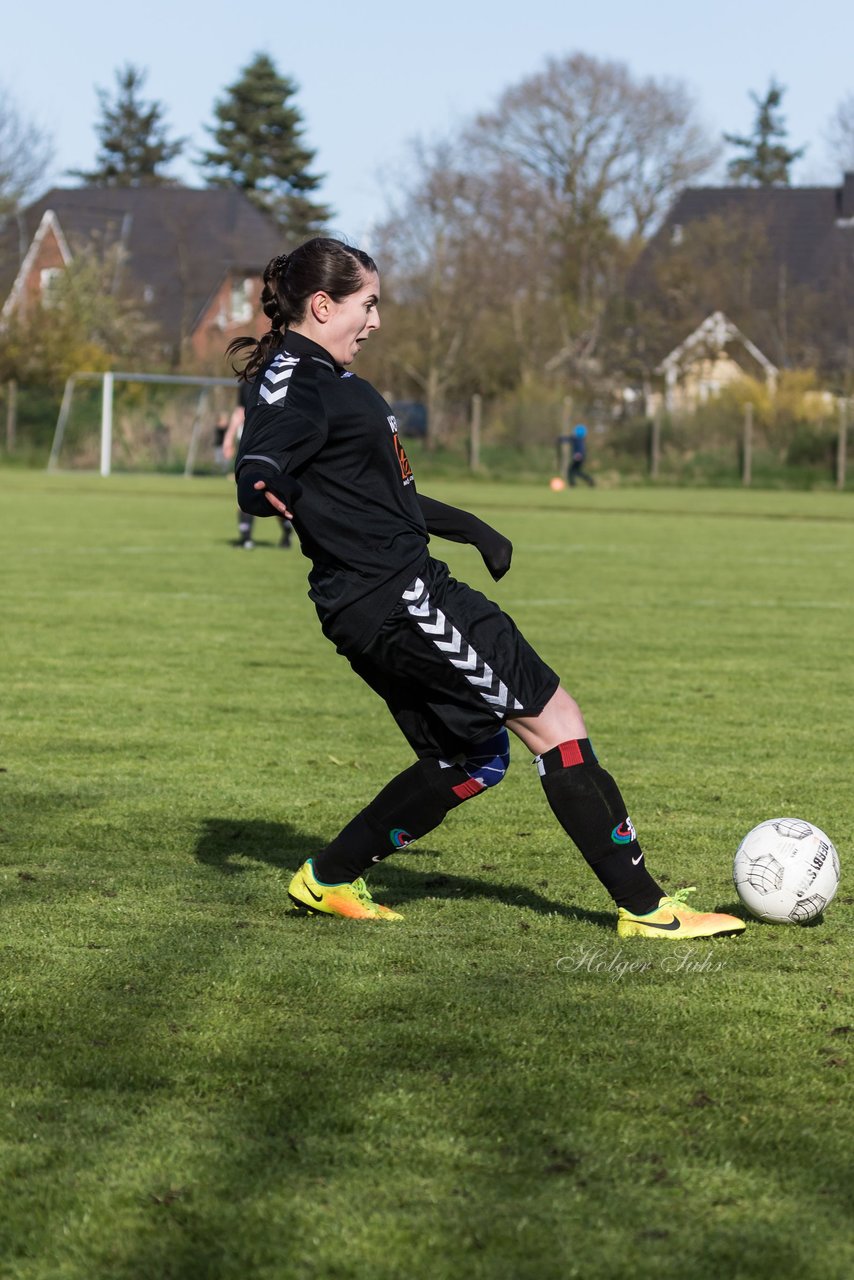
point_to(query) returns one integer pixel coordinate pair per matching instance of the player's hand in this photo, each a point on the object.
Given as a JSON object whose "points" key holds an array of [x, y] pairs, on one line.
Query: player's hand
{"points": [[274, 500], [496, 550]]}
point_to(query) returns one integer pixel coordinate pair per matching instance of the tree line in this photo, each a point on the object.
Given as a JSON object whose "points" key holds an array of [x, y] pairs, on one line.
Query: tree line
{"points": [[256, 145], [512, 258], [507, 253]]}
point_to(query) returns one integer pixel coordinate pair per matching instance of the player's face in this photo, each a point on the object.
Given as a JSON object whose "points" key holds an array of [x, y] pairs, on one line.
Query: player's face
{"points": [[352, 320]]}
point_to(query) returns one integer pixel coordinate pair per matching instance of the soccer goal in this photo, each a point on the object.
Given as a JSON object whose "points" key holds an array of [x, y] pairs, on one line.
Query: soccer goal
{"points": [[141, 422]]}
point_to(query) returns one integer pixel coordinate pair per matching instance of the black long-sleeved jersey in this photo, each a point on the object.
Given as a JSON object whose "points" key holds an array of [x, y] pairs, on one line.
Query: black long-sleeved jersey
{"points": [[329, 441]]}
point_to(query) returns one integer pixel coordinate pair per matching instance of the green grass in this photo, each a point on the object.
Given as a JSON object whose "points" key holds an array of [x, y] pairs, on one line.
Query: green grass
{"points": [[196, 1084]]}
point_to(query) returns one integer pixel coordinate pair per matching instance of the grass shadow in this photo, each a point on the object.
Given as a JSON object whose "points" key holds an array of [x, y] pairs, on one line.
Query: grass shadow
{"points": [[232, 845], [407, 884], [224, 839]]}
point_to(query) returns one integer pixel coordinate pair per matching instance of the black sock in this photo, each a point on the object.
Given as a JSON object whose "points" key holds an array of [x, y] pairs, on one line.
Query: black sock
{"points": [[412, 804], [587, 803]]}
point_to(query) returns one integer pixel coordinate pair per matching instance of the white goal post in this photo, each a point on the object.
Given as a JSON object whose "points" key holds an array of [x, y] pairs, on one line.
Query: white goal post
{"points": [[108, 381]]}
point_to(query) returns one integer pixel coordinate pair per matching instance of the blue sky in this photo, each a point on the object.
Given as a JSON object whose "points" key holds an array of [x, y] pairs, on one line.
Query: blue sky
{"points": [[373, 76]]}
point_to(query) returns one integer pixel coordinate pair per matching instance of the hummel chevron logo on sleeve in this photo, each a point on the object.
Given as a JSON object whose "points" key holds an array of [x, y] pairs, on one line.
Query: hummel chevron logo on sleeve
{"points": [[274, 388]]}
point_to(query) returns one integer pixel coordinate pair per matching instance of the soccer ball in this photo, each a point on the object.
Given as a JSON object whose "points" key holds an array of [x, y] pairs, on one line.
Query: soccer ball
{"points": [[786, 871], [556, 484]]}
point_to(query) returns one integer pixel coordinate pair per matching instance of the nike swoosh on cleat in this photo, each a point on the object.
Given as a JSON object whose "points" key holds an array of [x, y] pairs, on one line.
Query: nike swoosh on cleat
{"points": [[311, 891], [668, 928], [635, 861]]}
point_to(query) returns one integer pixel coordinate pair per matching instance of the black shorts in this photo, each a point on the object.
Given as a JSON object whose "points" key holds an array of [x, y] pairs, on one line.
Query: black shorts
{"points": [[452, 666]]}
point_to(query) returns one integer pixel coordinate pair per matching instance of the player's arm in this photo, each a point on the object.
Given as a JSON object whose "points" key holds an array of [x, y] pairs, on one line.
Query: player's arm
{"points": [[229, 441], [461, 526], [276, 443]]}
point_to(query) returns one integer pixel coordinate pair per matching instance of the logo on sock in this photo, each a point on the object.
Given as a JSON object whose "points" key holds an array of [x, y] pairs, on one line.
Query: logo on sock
{"points": [[624, 833], [400, 838]]}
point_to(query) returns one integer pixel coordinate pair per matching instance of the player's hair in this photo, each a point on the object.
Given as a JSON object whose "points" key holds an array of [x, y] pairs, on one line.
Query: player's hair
{"points": [[289, 281]]}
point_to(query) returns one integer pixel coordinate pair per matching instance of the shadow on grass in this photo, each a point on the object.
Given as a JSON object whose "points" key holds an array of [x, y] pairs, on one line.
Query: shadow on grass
{"points": [[232, 846], [406, 884], [222, 840], [164, 1087]]}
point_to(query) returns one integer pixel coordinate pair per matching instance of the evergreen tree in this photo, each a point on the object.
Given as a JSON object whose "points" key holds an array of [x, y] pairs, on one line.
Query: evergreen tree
{"points": [[259, 149], [766, 159], [132, 137]]}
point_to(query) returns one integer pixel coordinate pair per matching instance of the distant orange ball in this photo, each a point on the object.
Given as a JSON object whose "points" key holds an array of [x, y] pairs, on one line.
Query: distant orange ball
{"points": [[556, 484]]}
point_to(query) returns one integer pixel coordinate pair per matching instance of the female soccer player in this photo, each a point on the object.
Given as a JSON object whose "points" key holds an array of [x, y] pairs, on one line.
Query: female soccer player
{"points": [[321, 447]]}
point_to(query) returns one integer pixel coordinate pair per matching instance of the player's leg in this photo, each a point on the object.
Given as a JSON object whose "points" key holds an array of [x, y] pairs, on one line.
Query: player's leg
{"points": [[462, 750], [586, 801], [436, 661], [244, 529], [412, 804], [588, 804]]}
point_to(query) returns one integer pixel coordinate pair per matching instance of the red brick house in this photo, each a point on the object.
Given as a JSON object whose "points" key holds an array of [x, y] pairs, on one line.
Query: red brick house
{"points": [[192, 259]]}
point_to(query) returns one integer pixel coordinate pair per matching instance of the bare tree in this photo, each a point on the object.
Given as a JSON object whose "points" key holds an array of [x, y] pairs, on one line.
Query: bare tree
{"points": [[25, 156], [468, 293], [671, 150], [602, 147], [602, 155], [432, 276], [841, 135], [511, 241], [714, 265]]}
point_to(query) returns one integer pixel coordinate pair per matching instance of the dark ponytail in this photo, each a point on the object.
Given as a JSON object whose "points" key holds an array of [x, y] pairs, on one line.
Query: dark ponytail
{"points": [[289, 281]]}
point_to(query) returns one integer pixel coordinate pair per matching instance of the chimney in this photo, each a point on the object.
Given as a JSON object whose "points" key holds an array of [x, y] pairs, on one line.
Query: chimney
{"points": [[846, 197]]}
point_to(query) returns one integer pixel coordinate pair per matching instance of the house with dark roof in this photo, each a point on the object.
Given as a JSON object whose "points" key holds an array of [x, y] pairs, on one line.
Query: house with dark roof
{"points": [[191, 259], [711, 358], [778, 261]]}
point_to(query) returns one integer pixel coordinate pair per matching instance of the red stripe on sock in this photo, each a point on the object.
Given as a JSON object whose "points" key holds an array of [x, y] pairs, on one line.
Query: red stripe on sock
{"points": [[471, 787], [570, 753]]}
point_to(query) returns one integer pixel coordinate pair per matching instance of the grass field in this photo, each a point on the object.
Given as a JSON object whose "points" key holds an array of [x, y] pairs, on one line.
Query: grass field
{"points": [[197, 1084]]}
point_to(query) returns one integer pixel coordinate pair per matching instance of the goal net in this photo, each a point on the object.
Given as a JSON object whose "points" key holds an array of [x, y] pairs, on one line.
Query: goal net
{"points": [[142, 422]]}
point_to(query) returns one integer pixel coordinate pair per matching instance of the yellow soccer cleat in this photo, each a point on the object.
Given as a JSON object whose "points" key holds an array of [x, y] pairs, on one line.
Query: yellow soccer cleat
{"points": [[350, 901], [672, 919]]}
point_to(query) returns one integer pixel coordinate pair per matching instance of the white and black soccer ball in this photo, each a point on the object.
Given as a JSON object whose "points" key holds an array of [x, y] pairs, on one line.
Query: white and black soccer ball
{"points": [[786, 871]]}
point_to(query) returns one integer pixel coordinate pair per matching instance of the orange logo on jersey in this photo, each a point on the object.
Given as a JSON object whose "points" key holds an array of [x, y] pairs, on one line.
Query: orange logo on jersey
{"points": [[405, 468]]}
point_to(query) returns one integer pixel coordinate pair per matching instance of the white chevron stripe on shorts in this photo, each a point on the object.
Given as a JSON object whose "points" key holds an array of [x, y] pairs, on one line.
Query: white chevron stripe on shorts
{"points": [[447, 639]]}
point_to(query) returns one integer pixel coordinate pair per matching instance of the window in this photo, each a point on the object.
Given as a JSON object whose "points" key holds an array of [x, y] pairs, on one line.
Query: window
{"points": [[48, 279], [241, 301]]}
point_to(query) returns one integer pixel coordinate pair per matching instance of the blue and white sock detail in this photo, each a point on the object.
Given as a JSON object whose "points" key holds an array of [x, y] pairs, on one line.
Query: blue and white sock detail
{"points": [[490, 760]]}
